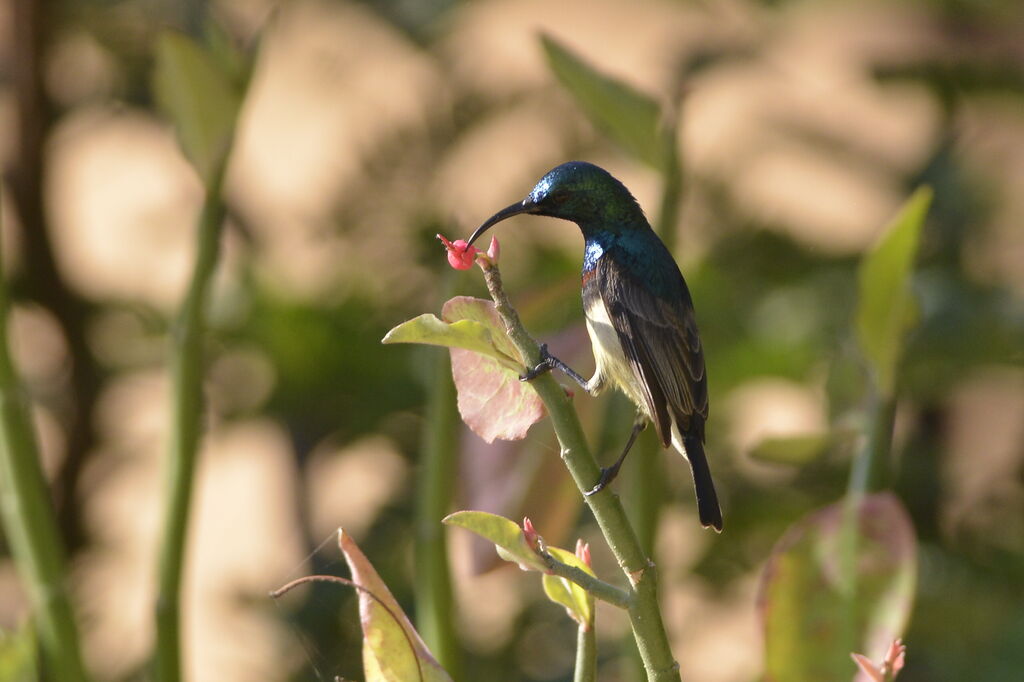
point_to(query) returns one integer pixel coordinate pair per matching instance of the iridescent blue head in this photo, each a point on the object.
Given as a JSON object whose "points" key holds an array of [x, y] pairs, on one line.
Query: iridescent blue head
{"points": [[580, 192]]}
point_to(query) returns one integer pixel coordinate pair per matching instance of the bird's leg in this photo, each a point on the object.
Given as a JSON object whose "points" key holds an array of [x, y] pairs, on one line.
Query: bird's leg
{"points": [[549, 362], [608, 474]]}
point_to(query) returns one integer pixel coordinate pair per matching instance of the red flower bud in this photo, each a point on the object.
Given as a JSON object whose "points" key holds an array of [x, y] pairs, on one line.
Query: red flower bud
{"points": [[460, 254]]}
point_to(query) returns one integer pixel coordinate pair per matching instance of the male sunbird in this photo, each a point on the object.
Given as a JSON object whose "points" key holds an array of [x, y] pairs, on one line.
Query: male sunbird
{"points": [[639, 315]]}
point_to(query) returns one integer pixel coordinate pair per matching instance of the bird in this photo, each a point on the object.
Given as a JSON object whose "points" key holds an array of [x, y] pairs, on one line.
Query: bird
{"points": [[639, 316]]}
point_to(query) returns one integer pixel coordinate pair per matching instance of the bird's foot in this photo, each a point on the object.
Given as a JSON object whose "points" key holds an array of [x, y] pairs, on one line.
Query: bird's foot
{"points": [[545, 365], [608, 475]]}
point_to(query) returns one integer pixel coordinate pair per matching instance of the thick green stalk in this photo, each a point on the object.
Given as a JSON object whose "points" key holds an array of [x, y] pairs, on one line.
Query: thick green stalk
{"points": [[586, 654], [644, 615], [186, 429], [30, 524], [433, 500]]}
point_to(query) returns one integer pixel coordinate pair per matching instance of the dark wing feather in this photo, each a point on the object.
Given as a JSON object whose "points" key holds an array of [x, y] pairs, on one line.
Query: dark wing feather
{"points": [[659, 338]]}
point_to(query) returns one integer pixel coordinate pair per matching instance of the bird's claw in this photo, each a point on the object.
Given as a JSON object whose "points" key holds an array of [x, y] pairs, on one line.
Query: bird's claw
{"points": [[543, 366], [608, 475]]}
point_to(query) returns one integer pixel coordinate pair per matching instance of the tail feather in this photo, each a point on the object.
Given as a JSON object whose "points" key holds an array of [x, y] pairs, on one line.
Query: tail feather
{"points": [[707, 499]]}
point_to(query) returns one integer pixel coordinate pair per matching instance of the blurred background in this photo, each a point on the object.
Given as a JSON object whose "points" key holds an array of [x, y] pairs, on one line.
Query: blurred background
{"points": [[371, 126]]}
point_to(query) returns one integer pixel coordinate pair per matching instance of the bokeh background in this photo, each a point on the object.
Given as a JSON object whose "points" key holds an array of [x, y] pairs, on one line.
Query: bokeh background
{"points": [[369, 127]]}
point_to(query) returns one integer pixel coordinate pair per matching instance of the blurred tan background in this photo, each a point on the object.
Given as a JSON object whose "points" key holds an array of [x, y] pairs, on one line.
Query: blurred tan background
{"points": [[372, 125]]}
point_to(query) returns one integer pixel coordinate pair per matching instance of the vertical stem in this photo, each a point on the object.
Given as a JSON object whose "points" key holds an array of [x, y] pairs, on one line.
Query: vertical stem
{"points": [[870, 469], [644, 614], [586, 654], [30, 524], [186, 427], [434, 497], [868, 473]]}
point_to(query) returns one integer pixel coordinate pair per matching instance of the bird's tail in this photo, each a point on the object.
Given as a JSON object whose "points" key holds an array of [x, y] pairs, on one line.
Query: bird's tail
{"points": [[692, 448]]}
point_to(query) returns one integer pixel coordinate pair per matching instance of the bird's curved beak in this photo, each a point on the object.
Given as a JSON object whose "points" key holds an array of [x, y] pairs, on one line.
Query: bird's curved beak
{"points": [[524, 206]]}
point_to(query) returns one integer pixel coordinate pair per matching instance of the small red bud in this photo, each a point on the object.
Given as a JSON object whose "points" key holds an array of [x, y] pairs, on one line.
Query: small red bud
{"points": [[532, 537], [460, 254], [583, 551]]}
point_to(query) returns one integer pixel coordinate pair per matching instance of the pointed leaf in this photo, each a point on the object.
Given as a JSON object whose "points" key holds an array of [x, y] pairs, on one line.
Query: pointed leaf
{"points": [[392, 649], [492, 400], [811, 620], [577, 601], [886, 307], [199, 98], [466, 334], [627, 115], [508, 538]]}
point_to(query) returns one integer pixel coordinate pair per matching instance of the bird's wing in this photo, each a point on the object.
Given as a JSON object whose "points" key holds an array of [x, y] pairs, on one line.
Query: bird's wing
{"points": [[659, 338]]}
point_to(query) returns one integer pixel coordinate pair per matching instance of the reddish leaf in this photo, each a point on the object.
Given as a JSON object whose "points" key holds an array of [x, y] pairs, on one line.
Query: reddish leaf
{"points": [[492, 400]]}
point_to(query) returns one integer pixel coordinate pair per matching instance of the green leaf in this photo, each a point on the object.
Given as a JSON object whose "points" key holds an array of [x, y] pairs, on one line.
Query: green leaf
{"points": [[392, 649], [196, 93], [508, 538], [577, 601], [492, 400], [887, 308], [811, 620], [628, 116], [466, 334]]}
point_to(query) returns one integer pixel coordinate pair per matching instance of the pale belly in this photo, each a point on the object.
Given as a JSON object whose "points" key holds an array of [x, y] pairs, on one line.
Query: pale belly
{"points": [[612, 365]]}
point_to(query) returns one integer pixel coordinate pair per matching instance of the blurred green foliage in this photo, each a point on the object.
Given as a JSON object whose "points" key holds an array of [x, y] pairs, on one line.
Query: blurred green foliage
{"points": [[770, 303]]}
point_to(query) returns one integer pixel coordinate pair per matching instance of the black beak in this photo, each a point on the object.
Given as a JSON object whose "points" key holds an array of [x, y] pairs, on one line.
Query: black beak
{"points": [[524, 206]]}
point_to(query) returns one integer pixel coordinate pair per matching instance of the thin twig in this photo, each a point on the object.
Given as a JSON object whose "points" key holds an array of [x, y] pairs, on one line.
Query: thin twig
{"points": [[606, 592]]}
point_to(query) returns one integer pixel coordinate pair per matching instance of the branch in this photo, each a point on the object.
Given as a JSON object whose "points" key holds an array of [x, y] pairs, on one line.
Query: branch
{"points": [[644, 614], [606, 592]]}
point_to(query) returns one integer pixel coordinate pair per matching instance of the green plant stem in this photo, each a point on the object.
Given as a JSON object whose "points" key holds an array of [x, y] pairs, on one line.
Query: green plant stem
{"points": [[586, 654], [606, 592], [30, 523], [434, 497], [868, 473], [870, 469], [186, 429], [644, 615]]}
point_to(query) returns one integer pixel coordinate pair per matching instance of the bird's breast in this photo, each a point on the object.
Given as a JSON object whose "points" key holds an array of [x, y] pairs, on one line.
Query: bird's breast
{"points": [[608, 355]]}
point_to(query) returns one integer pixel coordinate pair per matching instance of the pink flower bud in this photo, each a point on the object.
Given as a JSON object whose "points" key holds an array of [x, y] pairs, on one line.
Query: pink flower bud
{"points": [[896, 656], [460, 254], [532, 538], [583, 551], [494, 250]]}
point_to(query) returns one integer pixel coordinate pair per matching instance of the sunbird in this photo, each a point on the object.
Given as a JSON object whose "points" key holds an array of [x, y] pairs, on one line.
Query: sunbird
{"points": [[639, 315]]}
